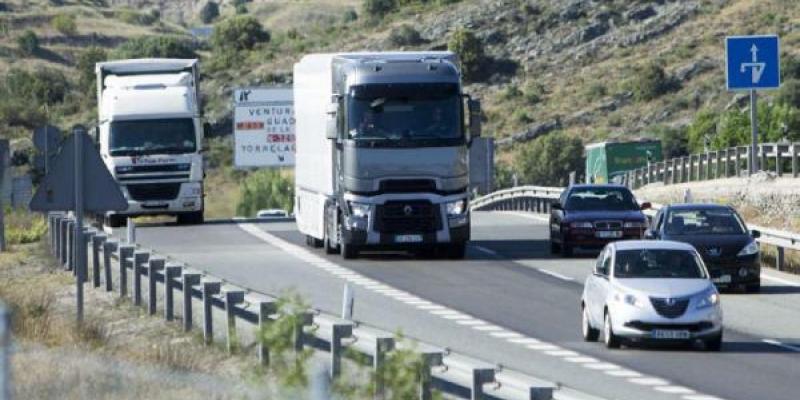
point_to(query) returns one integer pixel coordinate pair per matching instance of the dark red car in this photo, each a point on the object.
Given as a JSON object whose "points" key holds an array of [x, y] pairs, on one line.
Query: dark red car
{"points": [[591, 216]]}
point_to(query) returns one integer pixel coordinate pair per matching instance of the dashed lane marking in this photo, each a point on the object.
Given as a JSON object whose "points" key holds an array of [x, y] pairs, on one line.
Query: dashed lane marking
{"points": [[674, 389], [779, 280], [781, 345], [555, 274]]}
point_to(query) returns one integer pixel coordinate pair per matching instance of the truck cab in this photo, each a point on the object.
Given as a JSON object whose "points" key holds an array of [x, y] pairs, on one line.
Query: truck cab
{"points": [[150, 136]]}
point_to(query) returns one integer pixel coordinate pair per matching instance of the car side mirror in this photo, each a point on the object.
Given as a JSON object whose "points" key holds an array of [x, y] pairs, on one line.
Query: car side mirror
{"points": [[556, 206], [331, 128], [474, 107], [646, 205], [755, 234]]}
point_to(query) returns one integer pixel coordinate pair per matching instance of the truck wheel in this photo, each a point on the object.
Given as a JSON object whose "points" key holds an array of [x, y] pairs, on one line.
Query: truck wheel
{"points": [[554, 247], [116, 221], [456, 251], [192, 218], [313, 242], [348, 250], [329, 247]]}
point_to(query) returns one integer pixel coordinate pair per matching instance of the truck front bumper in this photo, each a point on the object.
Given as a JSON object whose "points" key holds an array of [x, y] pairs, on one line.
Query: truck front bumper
{"points": [[189, 199]]}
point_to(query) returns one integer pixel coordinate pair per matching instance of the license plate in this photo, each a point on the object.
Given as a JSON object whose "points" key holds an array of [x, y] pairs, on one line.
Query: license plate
{"points": [[669, 334], [608, 234], [408, 238], [722, 279]]}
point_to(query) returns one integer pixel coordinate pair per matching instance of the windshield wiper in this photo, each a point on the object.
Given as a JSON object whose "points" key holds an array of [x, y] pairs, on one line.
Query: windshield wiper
{"points": [[126, 151]]}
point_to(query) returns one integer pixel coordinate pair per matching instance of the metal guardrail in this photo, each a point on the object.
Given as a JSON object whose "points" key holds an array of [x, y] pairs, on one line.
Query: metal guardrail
{"points": [[538, 199], [734, 161], [135, 272]]}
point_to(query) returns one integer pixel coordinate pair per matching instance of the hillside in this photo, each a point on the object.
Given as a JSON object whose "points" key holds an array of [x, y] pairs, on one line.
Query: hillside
{"points": [[590, 70]]}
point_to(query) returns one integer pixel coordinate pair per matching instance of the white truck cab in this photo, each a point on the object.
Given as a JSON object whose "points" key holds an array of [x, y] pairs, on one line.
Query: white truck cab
{"points": [[150, 136]]}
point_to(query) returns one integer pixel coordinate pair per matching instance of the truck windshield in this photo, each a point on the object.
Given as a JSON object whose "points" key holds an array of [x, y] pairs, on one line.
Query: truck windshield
{"points": [[417, 113], [152, 136]]}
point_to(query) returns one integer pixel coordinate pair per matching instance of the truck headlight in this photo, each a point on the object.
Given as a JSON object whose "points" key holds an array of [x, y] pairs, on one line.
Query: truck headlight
{"points": [[749, 250], [456, 208], [707, 299], [581, 225], [359, 210]]}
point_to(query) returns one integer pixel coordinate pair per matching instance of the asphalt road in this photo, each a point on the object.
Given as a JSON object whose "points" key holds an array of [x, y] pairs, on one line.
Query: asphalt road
{"points": [[511, 303]]}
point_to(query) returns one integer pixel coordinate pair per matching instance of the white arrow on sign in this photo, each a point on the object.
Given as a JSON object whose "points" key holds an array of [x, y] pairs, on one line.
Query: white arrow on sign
{"points": [[756, 68]]}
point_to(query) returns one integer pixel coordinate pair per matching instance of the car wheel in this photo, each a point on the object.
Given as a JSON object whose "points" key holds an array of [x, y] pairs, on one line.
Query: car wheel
{"points": [[566, 250], [611, 340], [753, 287], [589, 334], [554, 247], [714, 344]]}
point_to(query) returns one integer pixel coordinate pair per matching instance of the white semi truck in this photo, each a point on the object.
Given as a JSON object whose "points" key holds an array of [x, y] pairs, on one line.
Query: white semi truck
{"points": [[150, 136], [382, 157]]}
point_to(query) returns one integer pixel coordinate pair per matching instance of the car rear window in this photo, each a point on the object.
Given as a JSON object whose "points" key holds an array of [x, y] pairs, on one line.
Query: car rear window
{"points": [[704, 222], [600, 198], [658, 263]]}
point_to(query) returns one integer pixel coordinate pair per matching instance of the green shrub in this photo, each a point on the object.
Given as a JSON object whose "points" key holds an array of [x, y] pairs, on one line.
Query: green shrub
{"points": [[85, 64], [268, 188], [596, 91], [533, 93], [349, 16], [674, 141], [65, 23], [28, 42], [511, 92], [241, 32], [24, 227], [548, 160], [732, 128], [405, 35], [241, 9], [209, 12], [288, 364], [704, 125], [42, 86], [789, 93], [651, 81], [470, 52], [155, 47], [790, 67], [136, 18], [377, 9]]}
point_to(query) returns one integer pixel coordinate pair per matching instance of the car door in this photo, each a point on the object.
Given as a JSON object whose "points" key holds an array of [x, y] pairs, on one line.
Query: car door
{"points": [[556, 215], [602, 285]]}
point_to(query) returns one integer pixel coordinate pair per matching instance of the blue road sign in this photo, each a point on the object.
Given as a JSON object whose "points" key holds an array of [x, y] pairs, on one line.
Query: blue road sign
{"points": [[753, 62]]}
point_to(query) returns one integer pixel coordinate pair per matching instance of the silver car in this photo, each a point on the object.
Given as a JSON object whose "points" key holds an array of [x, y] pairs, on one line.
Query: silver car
{"points": [[651, 291]]}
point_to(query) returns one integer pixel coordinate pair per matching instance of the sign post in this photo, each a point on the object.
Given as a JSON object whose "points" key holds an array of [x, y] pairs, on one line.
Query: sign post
{"points": [[80, 246], [752, 63]]}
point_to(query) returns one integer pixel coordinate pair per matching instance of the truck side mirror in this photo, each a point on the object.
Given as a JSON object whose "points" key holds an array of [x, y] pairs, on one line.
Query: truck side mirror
{"points": [[474, 107], [97, 136], [206, 128], [331, 131]]}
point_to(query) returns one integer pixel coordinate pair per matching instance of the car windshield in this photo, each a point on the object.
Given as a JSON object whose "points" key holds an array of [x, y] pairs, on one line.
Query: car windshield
{"points": [[658, 263], [152, 136], [405, 112], [704, 222], [600, 198]]}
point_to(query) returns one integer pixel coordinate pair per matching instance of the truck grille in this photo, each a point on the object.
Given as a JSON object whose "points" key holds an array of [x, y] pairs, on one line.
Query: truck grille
{"points": [[407, 186], [670, 307], [407, 217], [154, 191]]}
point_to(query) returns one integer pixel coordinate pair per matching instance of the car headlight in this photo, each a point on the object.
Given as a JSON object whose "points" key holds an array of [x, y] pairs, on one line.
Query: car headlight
{"points": [[359, 210], [750, 249], [636, 224], [458, 207], [581, 225], [629, 299], [707, 299]]}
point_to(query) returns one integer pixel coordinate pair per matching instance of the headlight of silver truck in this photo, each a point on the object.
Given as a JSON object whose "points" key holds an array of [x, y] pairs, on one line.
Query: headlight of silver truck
{"points": [[359, 210], [457, 208]]}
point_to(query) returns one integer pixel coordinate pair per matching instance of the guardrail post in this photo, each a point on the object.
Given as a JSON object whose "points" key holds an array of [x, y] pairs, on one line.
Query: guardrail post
{"points": [[480, 377], [70, 245], [541, 393], [125, 254], [780, 258], [265, 309], [383, 345], [62, 240], [762, 165], [139, 259], [726, 167], [795, 170], [97, 243], [339, 331], [171, 272], [232, 298], [153, 267], [86, 235], [130, 235], [109, 247], [430, 359], [210, 289], [189, 279], [778, 161], [304, 319]]}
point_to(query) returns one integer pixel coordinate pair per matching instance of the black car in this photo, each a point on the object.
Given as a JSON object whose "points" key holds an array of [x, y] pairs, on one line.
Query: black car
{"points": [[719, 234], [591, 216]]}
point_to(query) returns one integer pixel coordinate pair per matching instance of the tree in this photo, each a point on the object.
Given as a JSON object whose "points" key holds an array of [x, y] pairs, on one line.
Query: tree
{"points": [[789, 92], [470, 52], [155, 47], [65, 24], [85, 64], [267, 188], [378, 9], [405, 35], [28, 42], [674, 141], [241, 32], [548, 160], [209, 12], [704, 125], [651, 81]]}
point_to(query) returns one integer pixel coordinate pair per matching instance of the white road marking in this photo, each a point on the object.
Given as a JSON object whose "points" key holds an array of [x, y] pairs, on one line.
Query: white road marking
{"points": [[506, 335], [524, 340], [700, 397], [649, 381], [543, 347], [554, 274], [561, 353], [779, 280], [782, 345], [431, 307], [487, 251], [446, 311], [623, 373], [674, 389], [601, 366], [487, 328], [581, 359], [471, 322], [457, 317]]}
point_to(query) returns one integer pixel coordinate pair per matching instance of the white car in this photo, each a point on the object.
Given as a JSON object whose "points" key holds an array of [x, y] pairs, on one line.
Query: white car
{"points": [[272, 213], [646, 291]]}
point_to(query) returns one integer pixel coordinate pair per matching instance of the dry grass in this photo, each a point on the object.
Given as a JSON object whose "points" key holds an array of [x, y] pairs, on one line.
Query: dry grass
{"points": [[222, 194]]}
